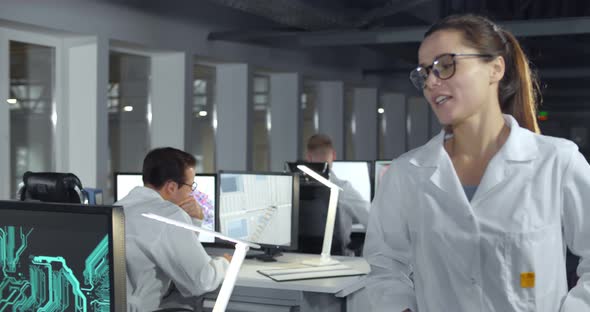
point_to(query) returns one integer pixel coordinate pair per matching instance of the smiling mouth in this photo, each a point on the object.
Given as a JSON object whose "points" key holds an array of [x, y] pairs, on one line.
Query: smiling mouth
{"points": [[441, 99]]}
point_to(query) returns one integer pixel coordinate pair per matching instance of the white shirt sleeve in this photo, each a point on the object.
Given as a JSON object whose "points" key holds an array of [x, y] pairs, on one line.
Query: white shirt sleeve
{"points": [[182, 257], [387, 249], [351, 201], [576, 227]]}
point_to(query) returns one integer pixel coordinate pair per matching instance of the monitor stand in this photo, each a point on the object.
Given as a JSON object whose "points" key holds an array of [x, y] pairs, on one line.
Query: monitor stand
{"points": [[268, 255]]}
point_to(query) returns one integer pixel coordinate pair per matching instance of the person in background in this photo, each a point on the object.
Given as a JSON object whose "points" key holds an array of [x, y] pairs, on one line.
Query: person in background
{"points": [[352, 208], [167, 267], [478, 218]]}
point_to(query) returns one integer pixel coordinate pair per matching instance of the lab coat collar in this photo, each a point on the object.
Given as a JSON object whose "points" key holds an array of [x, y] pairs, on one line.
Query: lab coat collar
{"points": [[520, 146], [518, 150]]}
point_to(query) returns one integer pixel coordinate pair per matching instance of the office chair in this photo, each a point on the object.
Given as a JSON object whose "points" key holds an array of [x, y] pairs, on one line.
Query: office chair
{"points": [[52, 187]]}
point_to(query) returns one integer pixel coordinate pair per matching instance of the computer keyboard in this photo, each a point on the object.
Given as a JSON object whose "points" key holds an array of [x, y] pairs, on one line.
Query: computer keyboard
{"points": [[309, 272]]}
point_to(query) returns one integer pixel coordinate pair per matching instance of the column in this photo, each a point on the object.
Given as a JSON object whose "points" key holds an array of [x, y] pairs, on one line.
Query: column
{"points": [[285, 97], [233, 96], [365, 116]]}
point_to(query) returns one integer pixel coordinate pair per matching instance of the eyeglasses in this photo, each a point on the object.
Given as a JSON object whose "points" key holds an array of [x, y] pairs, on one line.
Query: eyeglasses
{"points": [[192, 186], [443, 68]]}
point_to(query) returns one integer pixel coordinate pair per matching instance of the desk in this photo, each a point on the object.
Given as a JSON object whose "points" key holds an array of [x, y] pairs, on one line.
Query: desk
{"points": [[257, 293]]}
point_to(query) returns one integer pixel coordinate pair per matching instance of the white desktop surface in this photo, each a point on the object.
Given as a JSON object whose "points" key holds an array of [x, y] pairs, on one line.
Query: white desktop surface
{"points": [[249, 277], [255, 292]]}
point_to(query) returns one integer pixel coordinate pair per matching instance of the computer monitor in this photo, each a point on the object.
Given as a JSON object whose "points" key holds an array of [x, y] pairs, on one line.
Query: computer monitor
{"points": [[261, 208], [321, 168], [205, 196], [381, 167], [125, 182], [357, 173], [62, 257], [313, 210]]}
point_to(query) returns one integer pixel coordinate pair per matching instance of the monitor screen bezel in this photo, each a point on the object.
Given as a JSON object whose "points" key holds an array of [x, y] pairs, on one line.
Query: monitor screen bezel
{"points": [[294, 207], [116, 238], [215, 183], [371, 169]]}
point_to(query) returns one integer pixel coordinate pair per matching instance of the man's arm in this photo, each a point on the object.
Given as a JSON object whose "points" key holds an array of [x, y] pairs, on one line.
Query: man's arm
{"points": [[182, 258], [353, 203]]}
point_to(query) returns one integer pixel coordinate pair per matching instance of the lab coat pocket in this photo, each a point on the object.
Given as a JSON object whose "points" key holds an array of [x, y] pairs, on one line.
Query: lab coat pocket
{"points": [[532, 262]]}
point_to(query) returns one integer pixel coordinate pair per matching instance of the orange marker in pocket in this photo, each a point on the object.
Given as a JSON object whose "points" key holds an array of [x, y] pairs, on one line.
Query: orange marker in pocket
{"points": [[527, 279]]}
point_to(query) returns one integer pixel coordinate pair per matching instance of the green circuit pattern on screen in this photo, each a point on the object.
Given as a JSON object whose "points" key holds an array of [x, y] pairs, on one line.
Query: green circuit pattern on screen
{"points": [[50, 285]]}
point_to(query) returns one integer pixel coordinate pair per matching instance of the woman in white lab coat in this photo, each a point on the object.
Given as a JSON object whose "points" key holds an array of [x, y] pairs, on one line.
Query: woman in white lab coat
{"points": [[478, 218]]}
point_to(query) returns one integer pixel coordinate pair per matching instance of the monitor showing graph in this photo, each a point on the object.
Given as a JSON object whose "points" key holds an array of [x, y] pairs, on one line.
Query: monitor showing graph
{"points": [[61, 257], [259, 207]]}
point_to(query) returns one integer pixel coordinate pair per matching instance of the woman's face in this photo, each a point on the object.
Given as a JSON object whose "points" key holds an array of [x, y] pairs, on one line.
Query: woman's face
{"points": [[469, 91]]}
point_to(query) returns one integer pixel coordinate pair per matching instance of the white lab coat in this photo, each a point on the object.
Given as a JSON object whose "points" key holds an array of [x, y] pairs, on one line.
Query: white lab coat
{"points": [[431, 250], [166, 266], [352, 208]]}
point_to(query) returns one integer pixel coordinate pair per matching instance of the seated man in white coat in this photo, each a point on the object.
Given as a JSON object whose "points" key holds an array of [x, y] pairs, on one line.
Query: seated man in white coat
{"points": [[167, 267], [352, 208]]}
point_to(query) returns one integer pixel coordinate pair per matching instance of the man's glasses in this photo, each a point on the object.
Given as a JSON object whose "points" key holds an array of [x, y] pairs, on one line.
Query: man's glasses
{"points": [[443, 68], [192, 186]]}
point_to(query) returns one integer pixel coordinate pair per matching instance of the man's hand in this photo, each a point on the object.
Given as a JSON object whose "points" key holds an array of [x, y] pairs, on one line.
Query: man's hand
{"points": [[227, 257], [191, 207]]}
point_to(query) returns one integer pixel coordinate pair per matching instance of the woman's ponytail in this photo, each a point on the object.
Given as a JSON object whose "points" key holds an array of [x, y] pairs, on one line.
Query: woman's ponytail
{"points": [[519, 89]]}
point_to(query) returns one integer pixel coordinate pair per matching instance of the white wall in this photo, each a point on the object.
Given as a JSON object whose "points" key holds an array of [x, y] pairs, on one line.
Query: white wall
{"points": [[232, 148], [168, 99], [82, 75], [418, 121], [395, 117], [284, 105], [365, 136], [330, 106]]}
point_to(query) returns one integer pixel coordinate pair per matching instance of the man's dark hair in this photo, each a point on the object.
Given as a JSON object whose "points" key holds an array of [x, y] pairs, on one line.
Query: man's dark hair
{"points": [[166, 164], [319, 142]]}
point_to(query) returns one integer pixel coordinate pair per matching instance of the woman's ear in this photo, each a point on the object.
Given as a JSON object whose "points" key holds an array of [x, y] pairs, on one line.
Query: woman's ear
{"points": [[497, 69]]}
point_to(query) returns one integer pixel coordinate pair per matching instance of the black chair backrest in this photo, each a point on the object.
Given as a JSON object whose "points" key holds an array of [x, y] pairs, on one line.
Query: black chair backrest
{"points": [[52, 187], [313, 211]]}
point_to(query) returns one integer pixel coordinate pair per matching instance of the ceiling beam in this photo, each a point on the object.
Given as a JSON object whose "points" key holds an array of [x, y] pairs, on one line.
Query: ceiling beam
{"points": [[582, 72], [524, 28]]}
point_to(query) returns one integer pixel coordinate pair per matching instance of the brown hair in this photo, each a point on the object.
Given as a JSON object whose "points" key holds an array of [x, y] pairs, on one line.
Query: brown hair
{"points": [[518, 91], [319, 142], [166, 164]]}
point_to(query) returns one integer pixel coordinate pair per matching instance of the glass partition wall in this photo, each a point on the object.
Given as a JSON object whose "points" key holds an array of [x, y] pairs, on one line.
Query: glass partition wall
{"points": [[202, 124], [129, 112], [31, 104]]}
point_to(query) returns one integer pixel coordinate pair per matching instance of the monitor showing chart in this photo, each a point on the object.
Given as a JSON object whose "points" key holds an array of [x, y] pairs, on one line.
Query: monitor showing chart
{"points": [[259, 207], [357, 173], [205, 195], [61, 257]]}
